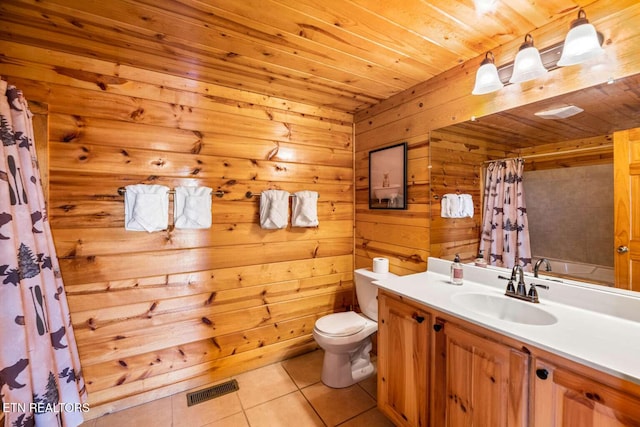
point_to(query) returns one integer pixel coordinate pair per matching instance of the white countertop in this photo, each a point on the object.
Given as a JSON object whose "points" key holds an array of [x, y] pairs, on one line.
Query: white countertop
{"points": [[597, 326]]}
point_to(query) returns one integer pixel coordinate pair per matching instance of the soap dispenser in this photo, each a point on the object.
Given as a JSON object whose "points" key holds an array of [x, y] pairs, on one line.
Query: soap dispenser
{"points": [[480, 261], [456, 271]]}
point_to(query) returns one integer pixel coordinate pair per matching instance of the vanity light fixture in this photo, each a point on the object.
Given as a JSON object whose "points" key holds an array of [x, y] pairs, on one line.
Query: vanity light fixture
{"points": [[582, 42], [487, 79], [528, 65]]}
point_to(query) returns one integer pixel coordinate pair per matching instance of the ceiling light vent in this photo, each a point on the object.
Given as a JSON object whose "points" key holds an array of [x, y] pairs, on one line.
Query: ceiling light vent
{"points": [[559, 112]]}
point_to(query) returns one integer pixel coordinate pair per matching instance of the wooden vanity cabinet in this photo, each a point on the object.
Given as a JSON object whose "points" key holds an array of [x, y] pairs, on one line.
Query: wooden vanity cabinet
{"points": [[437, 370], [483, 382], [564, 397], [404, 335]]}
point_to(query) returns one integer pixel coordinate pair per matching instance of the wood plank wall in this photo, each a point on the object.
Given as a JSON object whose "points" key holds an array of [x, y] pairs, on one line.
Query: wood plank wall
{"points": [[445, 100], [157, 313], [456, 167]]}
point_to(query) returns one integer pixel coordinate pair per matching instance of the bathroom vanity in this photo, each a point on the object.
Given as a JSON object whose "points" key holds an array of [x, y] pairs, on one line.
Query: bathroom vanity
{"points": [[468, 355]]}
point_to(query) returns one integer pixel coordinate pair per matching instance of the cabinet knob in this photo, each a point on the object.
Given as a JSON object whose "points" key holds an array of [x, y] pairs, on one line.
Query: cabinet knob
{"points": [[437, 327], [543, 374], [417, 318]]}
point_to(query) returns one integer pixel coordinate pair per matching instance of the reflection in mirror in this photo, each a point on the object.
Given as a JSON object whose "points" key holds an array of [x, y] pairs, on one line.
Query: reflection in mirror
{"points": [[570, 213], [569, 222]]}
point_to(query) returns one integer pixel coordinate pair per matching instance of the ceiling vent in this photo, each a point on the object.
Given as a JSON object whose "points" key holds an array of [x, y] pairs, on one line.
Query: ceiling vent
{"points": [[559, 112]]}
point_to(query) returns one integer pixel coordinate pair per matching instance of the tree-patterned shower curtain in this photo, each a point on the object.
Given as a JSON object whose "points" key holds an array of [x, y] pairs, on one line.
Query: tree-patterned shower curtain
{"points": [[40, 378], [505, 230]]}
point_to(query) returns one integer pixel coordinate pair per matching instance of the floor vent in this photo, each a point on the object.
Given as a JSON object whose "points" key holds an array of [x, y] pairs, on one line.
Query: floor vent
{"points": [[211, 392]]}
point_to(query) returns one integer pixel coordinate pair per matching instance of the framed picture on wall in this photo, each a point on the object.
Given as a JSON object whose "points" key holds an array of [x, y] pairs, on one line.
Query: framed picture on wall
{"points": [[388, 177]]}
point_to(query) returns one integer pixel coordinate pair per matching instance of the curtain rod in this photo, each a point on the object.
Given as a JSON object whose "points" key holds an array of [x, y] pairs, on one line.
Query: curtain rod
{"points": [[532, 156]]}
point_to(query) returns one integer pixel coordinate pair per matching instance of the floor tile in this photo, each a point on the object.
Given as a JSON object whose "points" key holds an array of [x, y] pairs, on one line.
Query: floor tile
{"points": [[156, 413], [290, 410], [263, 384], [370, 385], [338, 405], [237, 420], [203, 412], [89, 423], [285, 394], [371, 418], [306, 369]]}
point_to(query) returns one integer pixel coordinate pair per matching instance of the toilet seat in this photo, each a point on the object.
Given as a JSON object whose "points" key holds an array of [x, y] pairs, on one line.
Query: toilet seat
{"points": [[341, 324]]}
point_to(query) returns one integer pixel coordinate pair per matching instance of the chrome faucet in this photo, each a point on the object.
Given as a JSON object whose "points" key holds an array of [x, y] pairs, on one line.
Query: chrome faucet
{"points": [[536, 268], [521, 291]]}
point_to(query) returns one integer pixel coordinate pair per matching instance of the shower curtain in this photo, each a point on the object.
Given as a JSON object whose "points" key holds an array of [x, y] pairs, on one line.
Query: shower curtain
{"points": [[40, 379], [505, 230]]}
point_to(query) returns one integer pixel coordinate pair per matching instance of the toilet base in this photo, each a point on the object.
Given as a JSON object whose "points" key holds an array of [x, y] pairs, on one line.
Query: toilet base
{"points": [[340, 370]]}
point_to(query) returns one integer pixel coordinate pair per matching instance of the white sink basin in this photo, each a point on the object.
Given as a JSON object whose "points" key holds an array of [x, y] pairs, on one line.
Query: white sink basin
{"points": [[504, 308]]}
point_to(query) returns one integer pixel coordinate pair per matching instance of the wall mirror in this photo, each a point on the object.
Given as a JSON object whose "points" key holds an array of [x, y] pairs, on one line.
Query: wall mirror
{"points": [[388, 177], [607, 108]]}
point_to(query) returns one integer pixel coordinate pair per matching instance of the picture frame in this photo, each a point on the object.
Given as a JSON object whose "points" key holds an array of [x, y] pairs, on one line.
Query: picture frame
{"points": [[388, 177]]}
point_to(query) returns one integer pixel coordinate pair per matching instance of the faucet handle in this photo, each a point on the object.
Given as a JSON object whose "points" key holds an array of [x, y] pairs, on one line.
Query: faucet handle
{"points": [[510, 288], [533, 293], [522, 288]]}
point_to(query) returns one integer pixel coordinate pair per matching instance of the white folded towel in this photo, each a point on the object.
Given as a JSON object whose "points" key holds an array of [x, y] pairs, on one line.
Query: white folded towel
{"points": [[274, 209], [444, 206], [304, 209], [451, 206], [456, 206], [192, 207], [146, 207], [466, 206]]}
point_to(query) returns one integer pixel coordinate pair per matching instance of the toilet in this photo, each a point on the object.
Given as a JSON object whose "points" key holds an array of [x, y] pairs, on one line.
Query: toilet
{"points": [[346, 337]]}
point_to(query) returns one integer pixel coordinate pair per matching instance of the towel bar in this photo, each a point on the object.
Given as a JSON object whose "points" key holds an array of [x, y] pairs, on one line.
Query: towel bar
{"points": [[218, 193], [250, 194]]}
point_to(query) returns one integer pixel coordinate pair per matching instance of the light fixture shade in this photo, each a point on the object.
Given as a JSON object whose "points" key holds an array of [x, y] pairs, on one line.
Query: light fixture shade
{"points": [[487, 79], [484, 6], [528, 65], [581, 43]]}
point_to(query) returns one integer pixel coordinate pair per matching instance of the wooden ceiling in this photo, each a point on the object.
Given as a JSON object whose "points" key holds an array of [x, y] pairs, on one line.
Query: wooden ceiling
{"points": [[343, 54], [607, 108]]}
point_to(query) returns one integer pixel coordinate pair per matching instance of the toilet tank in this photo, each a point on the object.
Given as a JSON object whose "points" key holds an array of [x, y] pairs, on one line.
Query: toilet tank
{"points": [[366, 292]]}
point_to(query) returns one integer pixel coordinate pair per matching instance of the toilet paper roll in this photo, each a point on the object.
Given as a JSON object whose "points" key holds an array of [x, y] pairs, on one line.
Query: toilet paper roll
{"points": [[380, 265]]}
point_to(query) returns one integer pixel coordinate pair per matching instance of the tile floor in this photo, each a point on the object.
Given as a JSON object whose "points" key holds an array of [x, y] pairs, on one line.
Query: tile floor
{"points": [[285, 394]]}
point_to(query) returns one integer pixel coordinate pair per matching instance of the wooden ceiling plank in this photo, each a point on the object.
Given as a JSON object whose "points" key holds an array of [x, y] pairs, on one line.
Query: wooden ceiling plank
{"points": [[380, 31], [302, 91], [430, 22], [131, 38], [288, 25]]}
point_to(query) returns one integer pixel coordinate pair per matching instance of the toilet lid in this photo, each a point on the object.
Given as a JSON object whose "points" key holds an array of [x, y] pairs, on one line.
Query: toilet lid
{"points": [[341, 324]]}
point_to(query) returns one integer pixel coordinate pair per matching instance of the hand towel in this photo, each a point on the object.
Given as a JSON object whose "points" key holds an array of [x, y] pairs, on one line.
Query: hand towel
{"points": [[146, 207], [444, 206], [304, 209], [192, 207], [274, 209], [452, 205], [466, 206]]}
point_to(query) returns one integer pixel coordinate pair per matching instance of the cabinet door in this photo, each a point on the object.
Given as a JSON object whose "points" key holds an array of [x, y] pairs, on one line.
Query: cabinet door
{"points": [[565, 398], [486, 383], [403, 362]]}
